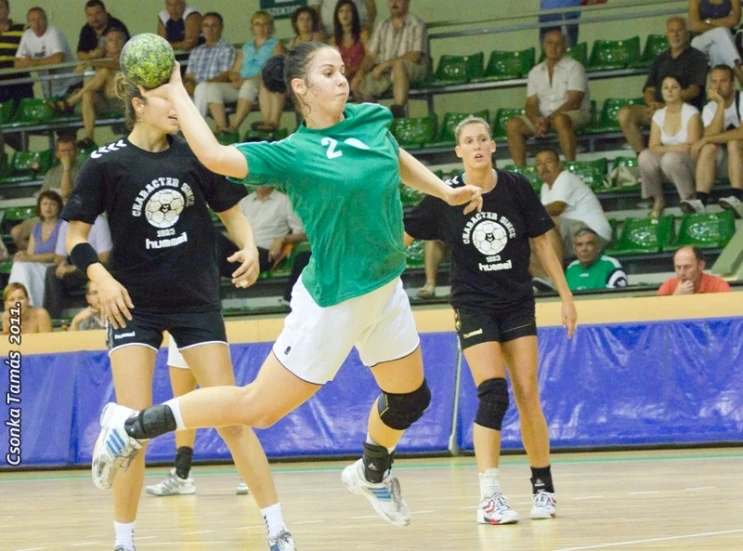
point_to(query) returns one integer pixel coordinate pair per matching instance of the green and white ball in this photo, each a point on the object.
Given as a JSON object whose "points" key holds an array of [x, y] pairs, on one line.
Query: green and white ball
{"points": [[147, 60]]}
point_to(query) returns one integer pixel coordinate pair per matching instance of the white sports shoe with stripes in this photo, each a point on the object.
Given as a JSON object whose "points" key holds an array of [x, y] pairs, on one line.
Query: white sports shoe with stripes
{"points": [[544, 505], [114, 448], [385, 497], [173, 485], [496, 510]]}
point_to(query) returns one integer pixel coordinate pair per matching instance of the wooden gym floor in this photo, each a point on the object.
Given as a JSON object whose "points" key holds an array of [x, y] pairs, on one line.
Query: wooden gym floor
{"points": [[680, 500]]}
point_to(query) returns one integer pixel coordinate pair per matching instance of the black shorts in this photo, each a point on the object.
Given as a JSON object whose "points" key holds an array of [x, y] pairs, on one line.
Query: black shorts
{"points": [[187, 329], [479, 325]]}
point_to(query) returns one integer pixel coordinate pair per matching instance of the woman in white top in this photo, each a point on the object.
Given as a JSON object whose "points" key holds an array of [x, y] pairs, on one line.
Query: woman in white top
{"points": [[673, 130]]}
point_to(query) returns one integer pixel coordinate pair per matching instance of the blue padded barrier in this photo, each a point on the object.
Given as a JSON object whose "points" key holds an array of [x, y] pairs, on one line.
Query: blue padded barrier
{"points": [[632, 384]]}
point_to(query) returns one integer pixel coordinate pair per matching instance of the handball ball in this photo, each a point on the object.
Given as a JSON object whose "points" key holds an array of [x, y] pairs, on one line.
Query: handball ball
{"points": [[147, 60]]}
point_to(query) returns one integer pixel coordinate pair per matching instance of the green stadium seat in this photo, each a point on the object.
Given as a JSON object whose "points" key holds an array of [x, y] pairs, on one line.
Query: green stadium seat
{"points": [[644, 236], [5, 267], [32, 111], [284, 268], [609, 118], [579, 53], [415, 254], [614, 232], [447, 135], [705, 230], [591, 172], [15, 215], [265, 135], [409, 196], [530, 173], [83, 153], [227, 138], [7, 110], [504, 65], [27, 165], [414, 132], [630, 162], [614, 54], [656, 44], [454, 69], [501, 116]]}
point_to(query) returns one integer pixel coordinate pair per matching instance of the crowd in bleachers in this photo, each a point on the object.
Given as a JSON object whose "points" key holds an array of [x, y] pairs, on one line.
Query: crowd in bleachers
{"points": [[691, 144]]}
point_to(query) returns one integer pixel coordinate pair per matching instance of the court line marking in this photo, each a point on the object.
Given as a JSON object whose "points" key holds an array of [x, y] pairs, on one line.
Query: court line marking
{"points": [[252, 527], [85, 544], [365, 517], [197, 532], [32, 549], [700, 488], [146, 538], [586, 497], [427, 512], [652, 540], [307, 522], [644, 493]]}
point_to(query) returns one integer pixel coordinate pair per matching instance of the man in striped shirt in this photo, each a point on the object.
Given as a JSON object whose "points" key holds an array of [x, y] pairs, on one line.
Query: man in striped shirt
{"points": [[10, 38]]}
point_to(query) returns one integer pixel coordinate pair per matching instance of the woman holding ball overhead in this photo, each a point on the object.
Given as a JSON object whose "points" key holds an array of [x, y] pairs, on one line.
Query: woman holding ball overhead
{"points": [[163, 276], [341, 170]]}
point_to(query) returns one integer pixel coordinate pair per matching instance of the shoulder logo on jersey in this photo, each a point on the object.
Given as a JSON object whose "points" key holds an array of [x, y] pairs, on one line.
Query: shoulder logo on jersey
{"points": [[110, 148], [331, 144], [162, 201], [489, 233]]}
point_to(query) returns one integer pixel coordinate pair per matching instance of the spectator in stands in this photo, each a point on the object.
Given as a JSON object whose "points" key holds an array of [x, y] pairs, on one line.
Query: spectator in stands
{"points": [[10, 39], [92, 42], [349, 36], [712, 22], [180, 24], [275, 226], [593, 270], [90, 317], [396, 57], [307, 27], [673, 130], [60, 178], [43, 44], [367, 10], [63, 276], [570, 202], [98, 96], [33, 320], [557, 98], [29, 266], [688, 263], [680, 59], [719, 154], [245, 80], [210, 62]]}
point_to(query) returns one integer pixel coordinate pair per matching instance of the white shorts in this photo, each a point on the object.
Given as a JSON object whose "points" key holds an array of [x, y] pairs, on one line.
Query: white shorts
{"points": [[316, 341], [175, 358]]}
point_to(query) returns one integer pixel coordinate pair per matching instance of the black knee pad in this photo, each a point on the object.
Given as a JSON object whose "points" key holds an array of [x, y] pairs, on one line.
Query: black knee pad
{"points": [[399, 411], [493, 396]]}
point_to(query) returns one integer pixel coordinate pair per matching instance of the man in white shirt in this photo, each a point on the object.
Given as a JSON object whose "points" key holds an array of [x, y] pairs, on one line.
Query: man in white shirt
{"points": [[44, 44], [275, 225], [557, 99], [720, 151], [571, 203]]}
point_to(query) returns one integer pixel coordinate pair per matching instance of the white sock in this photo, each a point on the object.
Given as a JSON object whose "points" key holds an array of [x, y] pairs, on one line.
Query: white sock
{"points": [[124, 535], [176, 409], [370, 441], [274, 520], [489, 484]]}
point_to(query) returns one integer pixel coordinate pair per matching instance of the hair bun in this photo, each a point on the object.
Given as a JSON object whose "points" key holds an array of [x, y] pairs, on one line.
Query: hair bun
{"points": [[273, 74]]}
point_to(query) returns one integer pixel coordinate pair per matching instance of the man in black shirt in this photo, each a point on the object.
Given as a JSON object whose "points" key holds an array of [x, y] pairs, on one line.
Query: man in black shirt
{"points": [[92, 36], [180, 24], [680, 59]]}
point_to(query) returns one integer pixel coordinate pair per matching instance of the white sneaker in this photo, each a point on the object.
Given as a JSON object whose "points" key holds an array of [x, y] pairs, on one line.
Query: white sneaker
{"points": [[691, 206], [242, 489], [544, 505], [174, 485], [732, 203], [283, 542], [385, 497], [114, 448], [496, 510]]}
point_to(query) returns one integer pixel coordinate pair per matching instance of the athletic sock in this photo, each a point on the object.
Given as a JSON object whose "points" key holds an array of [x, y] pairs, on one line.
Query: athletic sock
{"points": [[737, 193], [183, 458], [703, 197], [124, 535], [489, 483], [370, 441], [377, 462], [541, 479], [274, 520], [152, 422]]}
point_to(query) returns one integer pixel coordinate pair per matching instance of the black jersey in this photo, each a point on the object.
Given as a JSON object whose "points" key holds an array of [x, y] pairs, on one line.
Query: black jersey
{"points": [[163, 236], [490, 249]]}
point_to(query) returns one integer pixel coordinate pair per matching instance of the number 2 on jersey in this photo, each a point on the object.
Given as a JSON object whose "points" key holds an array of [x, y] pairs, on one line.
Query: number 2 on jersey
{"points": [[331, 152]]}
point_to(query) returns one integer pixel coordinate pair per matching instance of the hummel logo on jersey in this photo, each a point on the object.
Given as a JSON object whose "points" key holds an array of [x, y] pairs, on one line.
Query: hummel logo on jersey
{"points": [[115, 146], [472, 334], [125, 335]]}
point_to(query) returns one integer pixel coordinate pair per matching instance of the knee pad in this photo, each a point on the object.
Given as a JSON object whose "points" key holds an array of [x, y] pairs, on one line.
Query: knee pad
{"points": [[399, 411], [493, 397]]}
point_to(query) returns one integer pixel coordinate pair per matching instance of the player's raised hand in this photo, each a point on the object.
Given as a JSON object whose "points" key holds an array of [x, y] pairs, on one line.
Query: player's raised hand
{"points": [[115, 302], [465, 195], [247, 273]]}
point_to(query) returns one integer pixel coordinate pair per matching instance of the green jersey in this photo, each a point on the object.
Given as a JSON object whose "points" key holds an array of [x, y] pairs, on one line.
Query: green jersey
{"points": [[605, 273], [343, 182]]}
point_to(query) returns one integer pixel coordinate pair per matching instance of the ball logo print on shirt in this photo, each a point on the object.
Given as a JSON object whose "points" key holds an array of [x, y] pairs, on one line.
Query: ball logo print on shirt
{"points": [[489, 233], [164, 207], [162, 202], [489, 237]]}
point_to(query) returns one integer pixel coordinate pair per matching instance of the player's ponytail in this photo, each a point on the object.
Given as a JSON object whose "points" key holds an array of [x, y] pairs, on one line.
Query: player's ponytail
{"points": [[126, 90], [273, 74]]}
